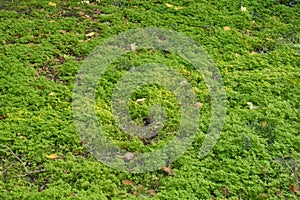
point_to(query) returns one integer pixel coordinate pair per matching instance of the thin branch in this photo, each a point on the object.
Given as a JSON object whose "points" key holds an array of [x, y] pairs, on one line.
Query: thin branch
{"points": [[33, 172], [19, 159], [25, 175]]}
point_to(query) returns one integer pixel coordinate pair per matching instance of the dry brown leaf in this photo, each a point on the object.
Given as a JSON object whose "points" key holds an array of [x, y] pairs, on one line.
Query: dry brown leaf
{"points": [[81, 13], [2, 117], [52, 4], [294, 189], [227, 28], [277, 192], [263, 124], [52, 156], [168, 170], [152, 192], [63, 31], [198, 105], [135, 193], [128, 182], [225, 190], [266, 196], [87, 17], [70, 8]]}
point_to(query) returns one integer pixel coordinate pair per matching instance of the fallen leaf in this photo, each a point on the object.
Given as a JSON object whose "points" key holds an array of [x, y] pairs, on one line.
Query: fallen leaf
{"points": [[52, 4], [152, 192], [133, 47], [52, 156], [73, 194], [187, 73], [30, 45], [85, 2], [198, 105], [87, 17], [251, 106], [263, 124], [128, 156], [227, 28], [2, 117], [135, 193], [81, 13], [63, 31], [128, 182], [52, 21], [244, 9], [178, 8], [140, 100], [266, 196], [225, 190], [169, 5], [52, 94], [294, 189], [168, 170], [70, 8], [277, 192], [60, 60], [90, 34], [253, 53]]}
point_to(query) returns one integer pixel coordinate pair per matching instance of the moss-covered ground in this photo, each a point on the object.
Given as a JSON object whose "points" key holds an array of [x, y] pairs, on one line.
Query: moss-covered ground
{"points": [[256, 49]]}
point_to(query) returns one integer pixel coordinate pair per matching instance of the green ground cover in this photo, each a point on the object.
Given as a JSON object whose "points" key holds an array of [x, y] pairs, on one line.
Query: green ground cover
{"points": [[257, 51]]}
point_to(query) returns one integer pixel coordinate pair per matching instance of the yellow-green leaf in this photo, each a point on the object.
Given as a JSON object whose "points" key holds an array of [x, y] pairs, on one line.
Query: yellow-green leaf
{"points": [[169, 5], [52, 156], [52, 4]]}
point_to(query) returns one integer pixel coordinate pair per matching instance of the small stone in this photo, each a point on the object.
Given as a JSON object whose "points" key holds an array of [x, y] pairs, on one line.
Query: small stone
{"points": [[128, 156]]}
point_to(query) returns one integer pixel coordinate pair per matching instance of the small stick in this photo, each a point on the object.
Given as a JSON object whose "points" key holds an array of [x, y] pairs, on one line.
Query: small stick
{"points": [[24, 175], [33, 172], [19, 159]]}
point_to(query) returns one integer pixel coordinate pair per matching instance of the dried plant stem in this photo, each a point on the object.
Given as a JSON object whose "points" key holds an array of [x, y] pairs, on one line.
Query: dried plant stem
{"points": [[19, 159]]}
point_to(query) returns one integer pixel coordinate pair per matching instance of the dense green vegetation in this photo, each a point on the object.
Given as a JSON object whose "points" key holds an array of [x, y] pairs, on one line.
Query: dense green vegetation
{"points": [[257, 50]]}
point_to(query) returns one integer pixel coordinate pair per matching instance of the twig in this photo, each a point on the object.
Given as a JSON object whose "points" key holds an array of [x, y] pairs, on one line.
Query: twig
{"points": [[33, 172], [25, 175], [19, 159]]}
